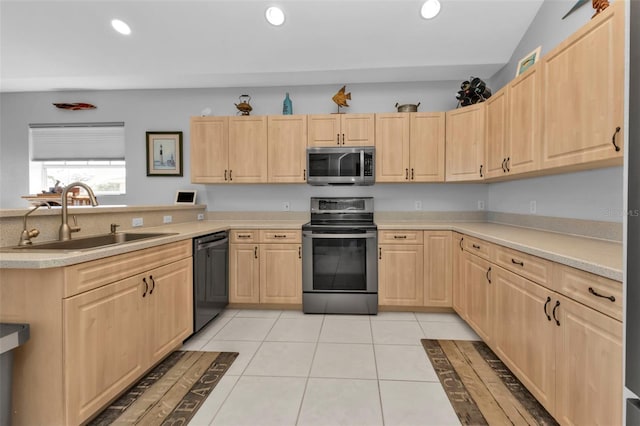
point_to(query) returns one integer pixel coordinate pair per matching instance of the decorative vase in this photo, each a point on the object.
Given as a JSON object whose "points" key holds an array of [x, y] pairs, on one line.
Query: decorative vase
{"points": [[287, 107]]}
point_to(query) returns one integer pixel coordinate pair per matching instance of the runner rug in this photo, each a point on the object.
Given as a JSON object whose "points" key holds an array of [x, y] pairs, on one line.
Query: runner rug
{"points": [[481, 389], [172, 392]]}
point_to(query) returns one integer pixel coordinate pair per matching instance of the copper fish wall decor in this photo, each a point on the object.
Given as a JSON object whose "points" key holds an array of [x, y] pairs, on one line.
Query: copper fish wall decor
{"points": [[341, 97], [74, 106]]}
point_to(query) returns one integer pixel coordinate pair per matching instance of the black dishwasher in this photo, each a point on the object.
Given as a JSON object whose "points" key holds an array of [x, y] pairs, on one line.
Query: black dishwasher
{"points": [[210, 277]]}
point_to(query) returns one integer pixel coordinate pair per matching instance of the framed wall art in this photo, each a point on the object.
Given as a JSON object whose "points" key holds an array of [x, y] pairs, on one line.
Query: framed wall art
{"points": [[528, 61], [164, 153]]}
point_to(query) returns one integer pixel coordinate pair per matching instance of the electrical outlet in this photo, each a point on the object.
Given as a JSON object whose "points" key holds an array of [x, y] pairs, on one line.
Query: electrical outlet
{"points": [[532, 207], [286, 206], [137, 221], [418, 205], [200, 216], [167, 219], [480, 204]]}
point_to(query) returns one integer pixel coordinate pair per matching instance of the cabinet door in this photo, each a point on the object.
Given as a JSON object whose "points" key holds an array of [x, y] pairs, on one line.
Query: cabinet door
{"points": [[392, 147], [497, 120], [287, 141], [465, 143], [401, 275], [357, 129], [103, 346], [169, 303], [588, 366], [280, 273], [324, 130], [209, 149], [525, 122], [427, 147], [583, 93], [525, 333], [248, 149], [438, 268], [480, 293], [458, 281], [244, 273]]}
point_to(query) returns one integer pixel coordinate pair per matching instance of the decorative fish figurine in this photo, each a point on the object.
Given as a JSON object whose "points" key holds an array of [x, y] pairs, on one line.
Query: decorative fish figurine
{"points": [[340, 98], [74, 106]]}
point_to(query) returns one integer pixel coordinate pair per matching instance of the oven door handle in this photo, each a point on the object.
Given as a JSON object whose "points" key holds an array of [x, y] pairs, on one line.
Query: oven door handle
{"points": [[363, 235]]}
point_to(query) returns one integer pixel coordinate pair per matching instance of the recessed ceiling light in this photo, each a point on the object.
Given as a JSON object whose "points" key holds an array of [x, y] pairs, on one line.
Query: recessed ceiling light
{"points": [[275, 16], [430, 9], [120, 26]]}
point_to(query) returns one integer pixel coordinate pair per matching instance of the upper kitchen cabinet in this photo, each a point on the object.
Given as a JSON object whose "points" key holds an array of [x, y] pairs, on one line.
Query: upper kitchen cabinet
{"points": [[512, 133], [465, 143], [287, 136], [410, 147], [209, 149], [229, 149], [583, 94], [248, 149], [341, 130]]}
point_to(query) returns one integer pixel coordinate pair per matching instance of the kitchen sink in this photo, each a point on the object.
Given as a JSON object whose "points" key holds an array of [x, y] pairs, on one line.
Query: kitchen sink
{"points": [[93, 242]]}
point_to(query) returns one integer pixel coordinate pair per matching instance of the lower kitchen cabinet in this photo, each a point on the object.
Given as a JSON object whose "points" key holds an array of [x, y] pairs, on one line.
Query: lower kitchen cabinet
{"points": [[480, 296], [457, 280], [96, 327], [401, 275], [265, 272], [414, 268]]}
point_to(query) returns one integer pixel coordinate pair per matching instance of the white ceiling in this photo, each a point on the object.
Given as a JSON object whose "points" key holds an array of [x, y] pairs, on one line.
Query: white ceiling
{"points": [[70, 45]]}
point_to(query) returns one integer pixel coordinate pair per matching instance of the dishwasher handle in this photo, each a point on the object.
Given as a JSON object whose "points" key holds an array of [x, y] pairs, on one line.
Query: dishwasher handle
{"points": [[214, 243]]}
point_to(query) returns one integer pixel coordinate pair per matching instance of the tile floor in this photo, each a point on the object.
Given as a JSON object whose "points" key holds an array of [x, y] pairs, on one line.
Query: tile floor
{"points": [[297, 369]]}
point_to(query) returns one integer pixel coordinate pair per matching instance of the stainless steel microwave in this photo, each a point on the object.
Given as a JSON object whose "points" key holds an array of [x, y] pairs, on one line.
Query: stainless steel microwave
{"points": [[341, 165]]}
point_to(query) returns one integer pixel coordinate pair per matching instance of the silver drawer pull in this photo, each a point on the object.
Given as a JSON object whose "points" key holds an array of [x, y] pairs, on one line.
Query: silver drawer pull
{"points": [[592, 291], [400, 237]]}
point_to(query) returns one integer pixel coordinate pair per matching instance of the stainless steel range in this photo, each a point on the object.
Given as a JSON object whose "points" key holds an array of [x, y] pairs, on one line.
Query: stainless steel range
{"points": [[339, 262]]}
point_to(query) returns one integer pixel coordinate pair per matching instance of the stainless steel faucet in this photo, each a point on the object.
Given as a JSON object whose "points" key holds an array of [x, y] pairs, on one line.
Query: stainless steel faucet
{"points": [[65, 230], [26, 235]]}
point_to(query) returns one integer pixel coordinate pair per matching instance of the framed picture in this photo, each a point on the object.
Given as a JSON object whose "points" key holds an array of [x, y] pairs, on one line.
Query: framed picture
{"points": [[528, 61], [164, 153]]}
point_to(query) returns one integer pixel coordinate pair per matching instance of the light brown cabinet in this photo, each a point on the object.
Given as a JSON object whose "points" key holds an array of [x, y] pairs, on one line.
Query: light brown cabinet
{"points": [[583, 94], [496, 128], [480, 296], [465, 143], [458, 282], [95, 328], [229, 149], [414, 268], [115, 332], [401, 269], [410, 147], [266, 270], [287, 144], [341, 130]]}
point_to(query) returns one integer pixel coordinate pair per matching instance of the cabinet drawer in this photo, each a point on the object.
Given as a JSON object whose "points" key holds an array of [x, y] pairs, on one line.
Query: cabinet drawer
{"points": [[279, 236], [89, 275], [602, 294], [478, 247], [245, 236], [534, 268], [400, 237]]}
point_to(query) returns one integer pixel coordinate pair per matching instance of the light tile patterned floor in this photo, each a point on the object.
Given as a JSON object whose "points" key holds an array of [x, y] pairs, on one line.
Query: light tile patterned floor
{"points": [[297, 369]]}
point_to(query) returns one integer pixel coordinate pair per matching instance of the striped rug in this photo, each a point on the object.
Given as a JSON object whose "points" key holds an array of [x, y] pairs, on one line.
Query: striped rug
{"points": [[481, 389], [171, 393]]}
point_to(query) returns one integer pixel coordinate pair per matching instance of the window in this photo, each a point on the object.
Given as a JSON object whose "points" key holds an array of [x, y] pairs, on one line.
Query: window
{"points": [[92, 153]]}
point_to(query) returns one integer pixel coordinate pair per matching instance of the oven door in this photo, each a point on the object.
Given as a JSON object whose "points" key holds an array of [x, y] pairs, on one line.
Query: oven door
{"points": [[339, 261]]}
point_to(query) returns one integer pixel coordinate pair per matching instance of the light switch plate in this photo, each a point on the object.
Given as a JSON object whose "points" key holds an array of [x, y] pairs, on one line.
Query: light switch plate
{"points": [[418, 205], [480, 204]]}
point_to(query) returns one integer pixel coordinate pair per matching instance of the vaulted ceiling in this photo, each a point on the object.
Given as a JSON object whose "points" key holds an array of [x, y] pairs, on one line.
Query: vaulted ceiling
{"points": [[70, 45]]}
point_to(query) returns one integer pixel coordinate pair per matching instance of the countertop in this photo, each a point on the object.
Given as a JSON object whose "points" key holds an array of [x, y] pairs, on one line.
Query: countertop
{"points": [[601, 257]]}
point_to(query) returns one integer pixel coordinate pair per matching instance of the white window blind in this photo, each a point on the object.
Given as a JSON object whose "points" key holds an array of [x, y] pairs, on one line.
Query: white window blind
{"points": [[77, 141]]}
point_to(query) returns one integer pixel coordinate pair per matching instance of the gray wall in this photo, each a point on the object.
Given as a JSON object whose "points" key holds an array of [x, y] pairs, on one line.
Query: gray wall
{"points": [[593, 194]]}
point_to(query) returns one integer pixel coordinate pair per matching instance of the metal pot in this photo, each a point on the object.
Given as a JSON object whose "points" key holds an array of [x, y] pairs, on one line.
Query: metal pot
{"points": [[408, 107]]}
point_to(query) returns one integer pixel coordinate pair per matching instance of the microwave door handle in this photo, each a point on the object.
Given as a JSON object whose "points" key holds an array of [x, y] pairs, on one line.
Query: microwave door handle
{"points": [[340, 163]]}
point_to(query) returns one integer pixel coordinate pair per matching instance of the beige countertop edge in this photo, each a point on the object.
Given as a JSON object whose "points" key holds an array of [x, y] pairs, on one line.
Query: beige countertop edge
{"points": [[600, 257]]}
